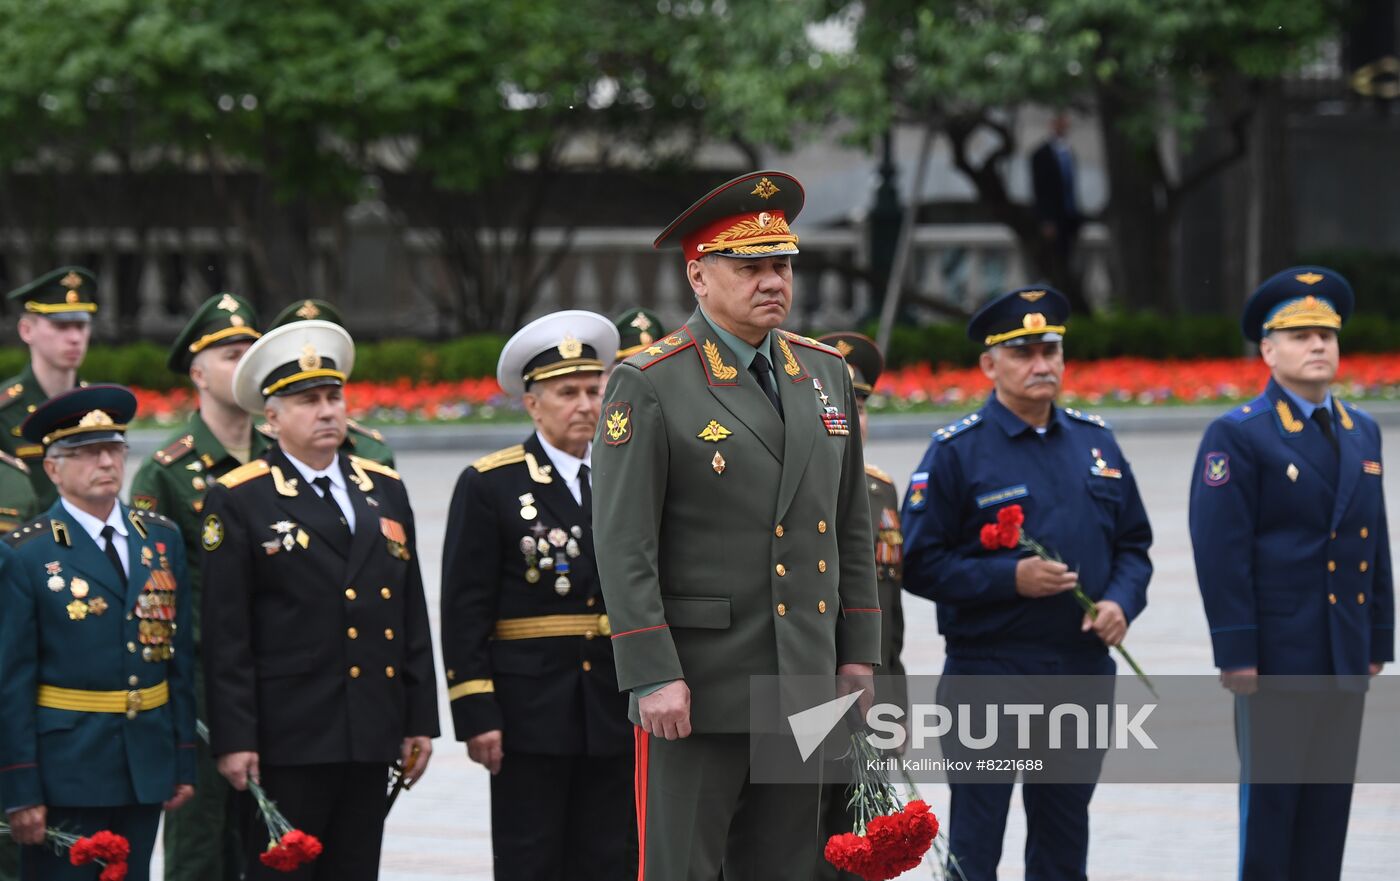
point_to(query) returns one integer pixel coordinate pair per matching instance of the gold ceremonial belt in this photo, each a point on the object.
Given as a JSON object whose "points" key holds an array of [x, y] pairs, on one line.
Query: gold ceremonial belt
{"points": [[552, 625], [83, 701]]}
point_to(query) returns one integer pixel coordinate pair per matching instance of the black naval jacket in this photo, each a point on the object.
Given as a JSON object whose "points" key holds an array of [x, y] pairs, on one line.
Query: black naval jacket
{"points": [[550, 695], [316, 643]]}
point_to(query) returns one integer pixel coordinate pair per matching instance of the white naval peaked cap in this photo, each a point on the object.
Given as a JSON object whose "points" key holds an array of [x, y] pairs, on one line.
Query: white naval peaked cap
{"points": [[292, 358], [557, 344]]}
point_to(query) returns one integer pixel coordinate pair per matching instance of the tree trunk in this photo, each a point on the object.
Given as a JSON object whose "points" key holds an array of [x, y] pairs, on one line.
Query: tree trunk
{"points": [[1136, 215]]}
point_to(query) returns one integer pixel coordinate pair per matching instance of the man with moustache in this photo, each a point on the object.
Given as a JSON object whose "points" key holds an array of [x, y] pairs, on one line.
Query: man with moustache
{"points": [[1292, 551], [317, 657], [733, 535], [524, 628], [1007, 613], [56, 324], [201, 843], [97, 719]]}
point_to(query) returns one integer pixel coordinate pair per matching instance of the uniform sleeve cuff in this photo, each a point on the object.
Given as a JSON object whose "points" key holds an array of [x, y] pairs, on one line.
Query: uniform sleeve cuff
{"points": [[1236, 647]]}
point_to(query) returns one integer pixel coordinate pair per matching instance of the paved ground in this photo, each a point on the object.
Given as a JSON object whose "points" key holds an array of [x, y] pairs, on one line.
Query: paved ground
{"points": [[441, 830]]}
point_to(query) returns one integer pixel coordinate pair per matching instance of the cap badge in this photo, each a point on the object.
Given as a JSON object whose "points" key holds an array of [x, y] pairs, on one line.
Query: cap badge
{"points": [[1309, 278], [1032, 296], [844, 348], [309, 360], [95, 418], [72, 281], [765, 189], [641, 322], [228, 303], [1033, 321], [570, 347], [235, 321], [308, 311]]}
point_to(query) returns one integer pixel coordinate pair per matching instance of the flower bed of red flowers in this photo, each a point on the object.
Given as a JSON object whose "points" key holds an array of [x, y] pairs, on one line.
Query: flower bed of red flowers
{"points": [[1118, 381], [892, 844]]}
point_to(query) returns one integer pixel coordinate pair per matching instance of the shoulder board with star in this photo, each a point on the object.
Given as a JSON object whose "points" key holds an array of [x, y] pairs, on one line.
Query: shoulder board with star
{"points": [[179, 449], [948, 432], [660, 350], [12, 390], [244, 473], [28, 532], [1244, 412], [508, 456], [14, 462], [879, 474], [363, 429], [1090, 418], [809, 343], [376, 467], [158, 519]]}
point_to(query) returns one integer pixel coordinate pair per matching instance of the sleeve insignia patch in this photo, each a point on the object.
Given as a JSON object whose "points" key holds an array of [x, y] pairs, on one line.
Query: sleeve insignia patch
{"points": [[617, 423], [213, 533], [1217, 469], [918, 491]]}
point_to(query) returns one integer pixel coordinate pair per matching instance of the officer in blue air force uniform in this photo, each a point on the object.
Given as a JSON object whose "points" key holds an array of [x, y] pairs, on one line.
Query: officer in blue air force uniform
{"points": [[1004, 612], [1292, 554], [97, 701]]}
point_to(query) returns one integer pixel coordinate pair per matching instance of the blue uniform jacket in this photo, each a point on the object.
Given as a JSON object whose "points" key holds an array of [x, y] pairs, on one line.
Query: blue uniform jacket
{"points": [[1291, 543], [89, 759], [1080, 501]]}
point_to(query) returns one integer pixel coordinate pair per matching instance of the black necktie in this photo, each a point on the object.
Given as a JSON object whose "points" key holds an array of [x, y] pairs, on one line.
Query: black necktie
{"points": [[323, 483], [1323, 418], [763, 372], [110, 549], [585, 490]]}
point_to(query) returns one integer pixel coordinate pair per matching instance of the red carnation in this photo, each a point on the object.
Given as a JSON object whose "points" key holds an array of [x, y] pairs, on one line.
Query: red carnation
{"points": [[295, 849], [892, 844], [1011, 516], [991, 536], [113, 872], [104, 847]]}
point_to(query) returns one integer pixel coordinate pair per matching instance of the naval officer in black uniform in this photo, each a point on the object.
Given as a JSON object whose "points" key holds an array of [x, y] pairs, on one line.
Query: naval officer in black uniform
{"points": [[525, 638], [318, 660]]}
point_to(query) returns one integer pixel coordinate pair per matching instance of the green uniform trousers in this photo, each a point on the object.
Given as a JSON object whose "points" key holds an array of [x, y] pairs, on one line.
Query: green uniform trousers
{"points": [[698, 813]]}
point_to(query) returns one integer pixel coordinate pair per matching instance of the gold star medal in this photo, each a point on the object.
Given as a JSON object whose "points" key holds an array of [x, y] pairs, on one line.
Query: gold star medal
{"points": [[79, 587]]}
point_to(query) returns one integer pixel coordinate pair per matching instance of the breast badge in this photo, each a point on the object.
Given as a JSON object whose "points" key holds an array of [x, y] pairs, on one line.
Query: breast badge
{"points": [[528, 511], [155, 609], [292, 536], [714, 432], [55, 570], [1100, 467], [717, 463], [1292, 473], [396, 538]]}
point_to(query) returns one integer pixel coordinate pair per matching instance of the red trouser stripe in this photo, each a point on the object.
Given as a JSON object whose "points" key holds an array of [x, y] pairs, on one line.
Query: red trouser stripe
{"points": [[639, 788]]}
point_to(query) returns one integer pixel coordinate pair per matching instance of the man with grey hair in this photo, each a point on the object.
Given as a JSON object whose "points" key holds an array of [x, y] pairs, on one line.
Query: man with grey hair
{"points": [[318, 661]]}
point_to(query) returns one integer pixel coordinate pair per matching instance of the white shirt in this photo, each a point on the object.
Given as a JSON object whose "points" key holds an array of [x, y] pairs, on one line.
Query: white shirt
{"points": [[566, 466], [339, 492], [93, 527]]}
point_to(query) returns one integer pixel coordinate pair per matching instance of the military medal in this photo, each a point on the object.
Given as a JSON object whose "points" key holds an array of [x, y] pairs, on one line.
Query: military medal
{"points": [[532, 575], [55, 581], [146, 557], [77, 610], [271, 546], [546, 562], [527, 545], [572, 547], [96, 606], [528, 511], [562, 583], [576, 531], [538, 530], [1101, 468], [717, 463], [558, 537], [79, 587]]}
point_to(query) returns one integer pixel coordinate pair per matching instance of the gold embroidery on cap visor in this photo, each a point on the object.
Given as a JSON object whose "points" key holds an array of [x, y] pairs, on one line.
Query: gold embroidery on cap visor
{"points": [[95, 420], [53, 308], [285, 381], [1306, 311], [759, 234], [563, 368], [1032, 323], [210, 339]]}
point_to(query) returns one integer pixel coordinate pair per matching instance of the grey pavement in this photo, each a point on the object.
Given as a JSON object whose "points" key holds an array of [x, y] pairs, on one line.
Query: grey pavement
{"points": [[441, 830]]}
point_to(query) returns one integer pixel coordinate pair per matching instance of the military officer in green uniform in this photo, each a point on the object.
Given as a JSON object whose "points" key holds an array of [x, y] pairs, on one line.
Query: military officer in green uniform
{"points": [[637, 328], [201, 842], [360, 440], [865, 363], [18, 502], [97, 702], [55, 322], [732, 525]]}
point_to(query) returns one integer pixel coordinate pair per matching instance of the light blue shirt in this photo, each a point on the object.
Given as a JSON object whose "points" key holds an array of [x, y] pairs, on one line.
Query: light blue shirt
{"points": [[1305, 406]]}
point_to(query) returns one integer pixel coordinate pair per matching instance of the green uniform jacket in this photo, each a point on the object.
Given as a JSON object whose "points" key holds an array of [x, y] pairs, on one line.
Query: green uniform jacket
{"points": [[21, 396], [18, 503], [731, 543], [175, 479], [71, 622], [889, 572]]}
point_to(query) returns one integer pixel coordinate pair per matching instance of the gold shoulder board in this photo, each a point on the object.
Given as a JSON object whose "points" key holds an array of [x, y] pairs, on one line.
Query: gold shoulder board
{"points": [[508, 456], [879, 474], [14, 462], [371, 465], [245, 473]]}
